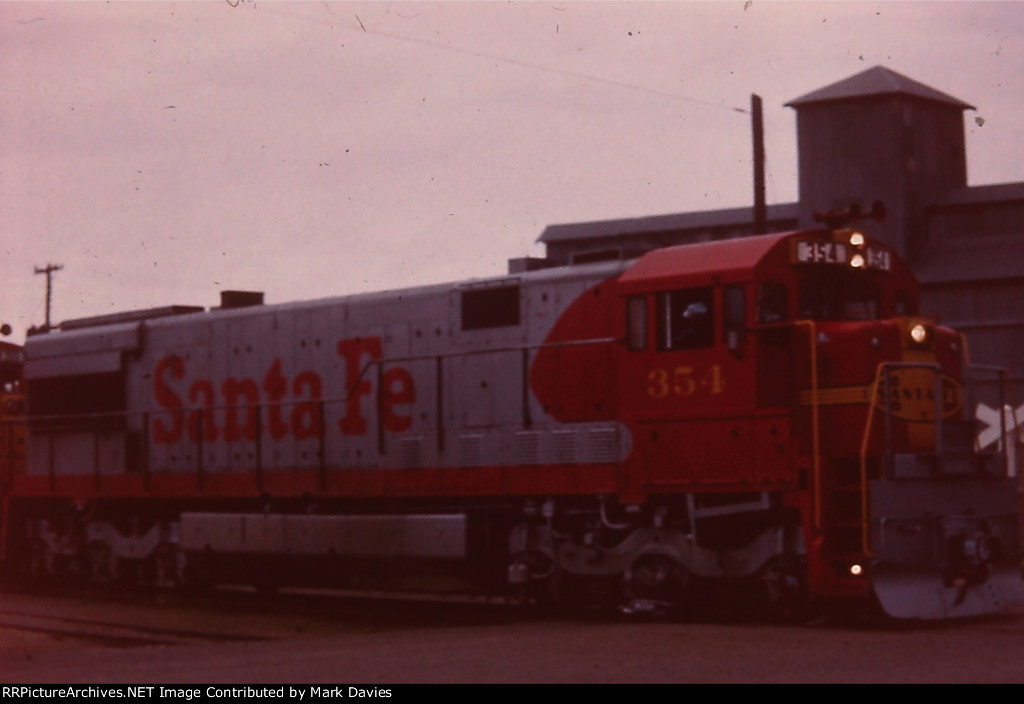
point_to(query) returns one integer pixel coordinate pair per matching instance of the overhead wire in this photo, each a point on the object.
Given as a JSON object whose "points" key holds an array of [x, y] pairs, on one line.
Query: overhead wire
{"points": [[362, 28]]}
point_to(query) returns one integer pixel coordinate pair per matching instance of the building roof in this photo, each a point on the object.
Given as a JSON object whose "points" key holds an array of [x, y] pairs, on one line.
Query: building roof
{"points": [[729, 217], [971, 259], [981, 195], [974, 255], [874, 82]]}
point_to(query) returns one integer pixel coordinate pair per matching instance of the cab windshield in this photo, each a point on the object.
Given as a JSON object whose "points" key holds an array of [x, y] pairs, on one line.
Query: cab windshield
{"points": [[840, 295]]}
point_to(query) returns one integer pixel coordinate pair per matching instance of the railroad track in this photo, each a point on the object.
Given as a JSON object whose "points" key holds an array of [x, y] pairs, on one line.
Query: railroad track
{"points": [[107, 633], [116, 616], [134, 618]]}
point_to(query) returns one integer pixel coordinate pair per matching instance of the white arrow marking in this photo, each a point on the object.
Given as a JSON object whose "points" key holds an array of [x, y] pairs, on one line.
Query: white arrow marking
{"points": [[993, 420]]}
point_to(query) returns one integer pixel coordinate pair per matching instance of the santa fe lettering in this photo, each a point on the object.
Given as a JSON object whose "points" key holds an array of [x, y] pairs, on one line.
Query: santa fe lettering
{"points": [[231, 409]]}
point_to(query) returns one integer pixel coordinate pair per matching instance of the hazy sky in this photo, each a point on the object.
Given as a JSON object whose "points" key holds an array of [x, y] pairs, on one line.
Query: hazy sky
{"points": [[162, 152]]}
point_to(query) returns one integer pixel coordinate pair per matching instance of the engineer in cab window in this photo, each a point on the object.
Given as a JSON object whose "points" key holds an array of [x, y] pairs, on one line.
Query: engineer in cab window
{"points": [[685, 319]]}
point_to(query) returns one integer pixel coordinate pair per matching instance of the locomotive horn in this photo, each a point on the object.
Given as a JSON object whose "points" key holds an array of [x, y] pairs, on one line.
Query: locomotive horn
{"points": [[838, 218], [878, 212]]}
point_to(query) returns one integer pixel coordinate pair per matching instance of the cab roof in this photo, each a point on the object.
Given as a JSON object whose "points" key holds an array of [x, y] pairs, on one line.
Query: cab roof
{"points": [[734, 258]]}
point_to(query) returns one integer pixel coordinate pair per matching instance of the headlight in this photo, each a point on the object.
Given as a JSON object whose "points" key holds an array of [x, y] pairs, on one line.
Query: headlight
{"points": [[856, 239], [918, 333]]}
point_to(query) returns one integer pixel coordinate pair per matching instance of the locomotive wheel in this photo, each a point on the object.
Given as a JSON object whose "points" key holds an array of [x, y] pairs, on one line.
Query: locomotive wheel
{"points": [[539, 575], [101, 561], [40, 562], [165, 566], [583, 593], [655, 583], [784, 581]]}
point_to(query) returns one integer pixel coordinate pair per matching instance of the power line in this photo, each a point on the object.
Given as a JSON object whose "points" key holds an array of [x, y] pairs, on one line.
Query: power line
{"points": [[558, 71], [362, 28]]}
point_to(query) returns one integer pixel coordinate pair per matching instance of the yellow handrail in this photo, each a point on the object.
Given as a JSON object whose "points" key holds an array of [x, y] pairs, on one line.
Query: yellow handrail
{"points": [[815, 421], [864, 532]]}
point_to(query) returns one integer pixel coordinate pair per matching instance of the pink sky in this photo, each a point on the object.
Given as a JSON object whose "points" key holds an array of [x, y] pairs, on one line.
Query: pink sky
{"points": [[162, 152]]}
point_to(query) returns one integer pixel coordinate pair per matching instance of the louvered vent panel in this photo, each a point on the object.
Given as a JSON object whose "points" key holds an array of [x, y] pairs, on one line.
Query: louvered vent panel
{"points": [[410, 452], [528, 448], [602, 445], [563, 446], [471, 450]]}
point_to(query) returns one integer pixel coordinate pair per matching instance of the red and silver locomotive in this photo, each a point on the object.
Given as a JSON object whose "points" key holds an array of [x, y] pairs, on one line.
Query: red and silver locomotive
{"points": [[770, 411]]}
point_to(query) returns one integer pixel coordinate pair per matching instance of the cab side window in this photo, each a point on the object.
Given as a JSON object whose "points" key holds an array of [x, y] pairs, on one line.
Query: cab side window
{"points": [[734, 307], [686, 319], [772, 303], [636, 323]]}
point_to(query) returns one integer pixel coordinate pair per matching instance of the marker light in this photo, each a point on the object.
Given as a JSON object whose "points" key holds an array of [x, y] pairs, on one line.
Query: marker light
{"points": [[857, 261], [856, 239], [918, 333]]}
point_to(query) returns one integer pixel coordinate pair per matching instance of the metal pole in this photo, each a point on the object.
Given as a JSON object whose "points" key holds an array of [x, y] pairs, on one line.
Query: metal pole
{"points": [[49, 270], [525, 364], [760, 208], [321, 436], [439, 401], [200, 469]]}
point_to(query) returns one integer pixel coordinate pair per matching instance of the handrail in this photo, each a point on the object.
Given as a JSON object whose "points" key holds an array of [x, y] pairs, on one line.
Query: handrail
{"points": [[865, 538], [815, 414], [815, 421], [882, 374]]}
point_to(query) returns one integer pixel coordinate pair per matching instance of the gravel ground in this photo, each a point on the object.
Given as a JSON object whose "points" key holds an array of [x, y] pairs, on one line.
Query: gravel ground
{"points": [[382, 645]]}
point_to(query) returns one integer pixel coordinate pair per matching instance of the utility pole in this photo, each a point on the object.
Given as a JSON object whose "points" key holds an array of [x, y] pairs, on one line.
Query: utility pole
{"points": [[760, 208], [49, 269]]}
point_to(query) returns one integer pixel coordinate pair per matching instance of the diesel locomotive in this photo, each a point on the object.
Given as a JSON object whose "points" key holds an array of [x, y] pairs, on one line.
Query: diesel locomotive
{"points": [[771, 412]]}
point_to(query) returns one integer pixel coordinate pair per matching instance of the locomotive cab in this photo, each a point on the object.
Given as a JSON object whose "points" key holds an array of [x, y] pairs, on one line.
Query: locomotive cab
{"points": [[818, 386]]}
